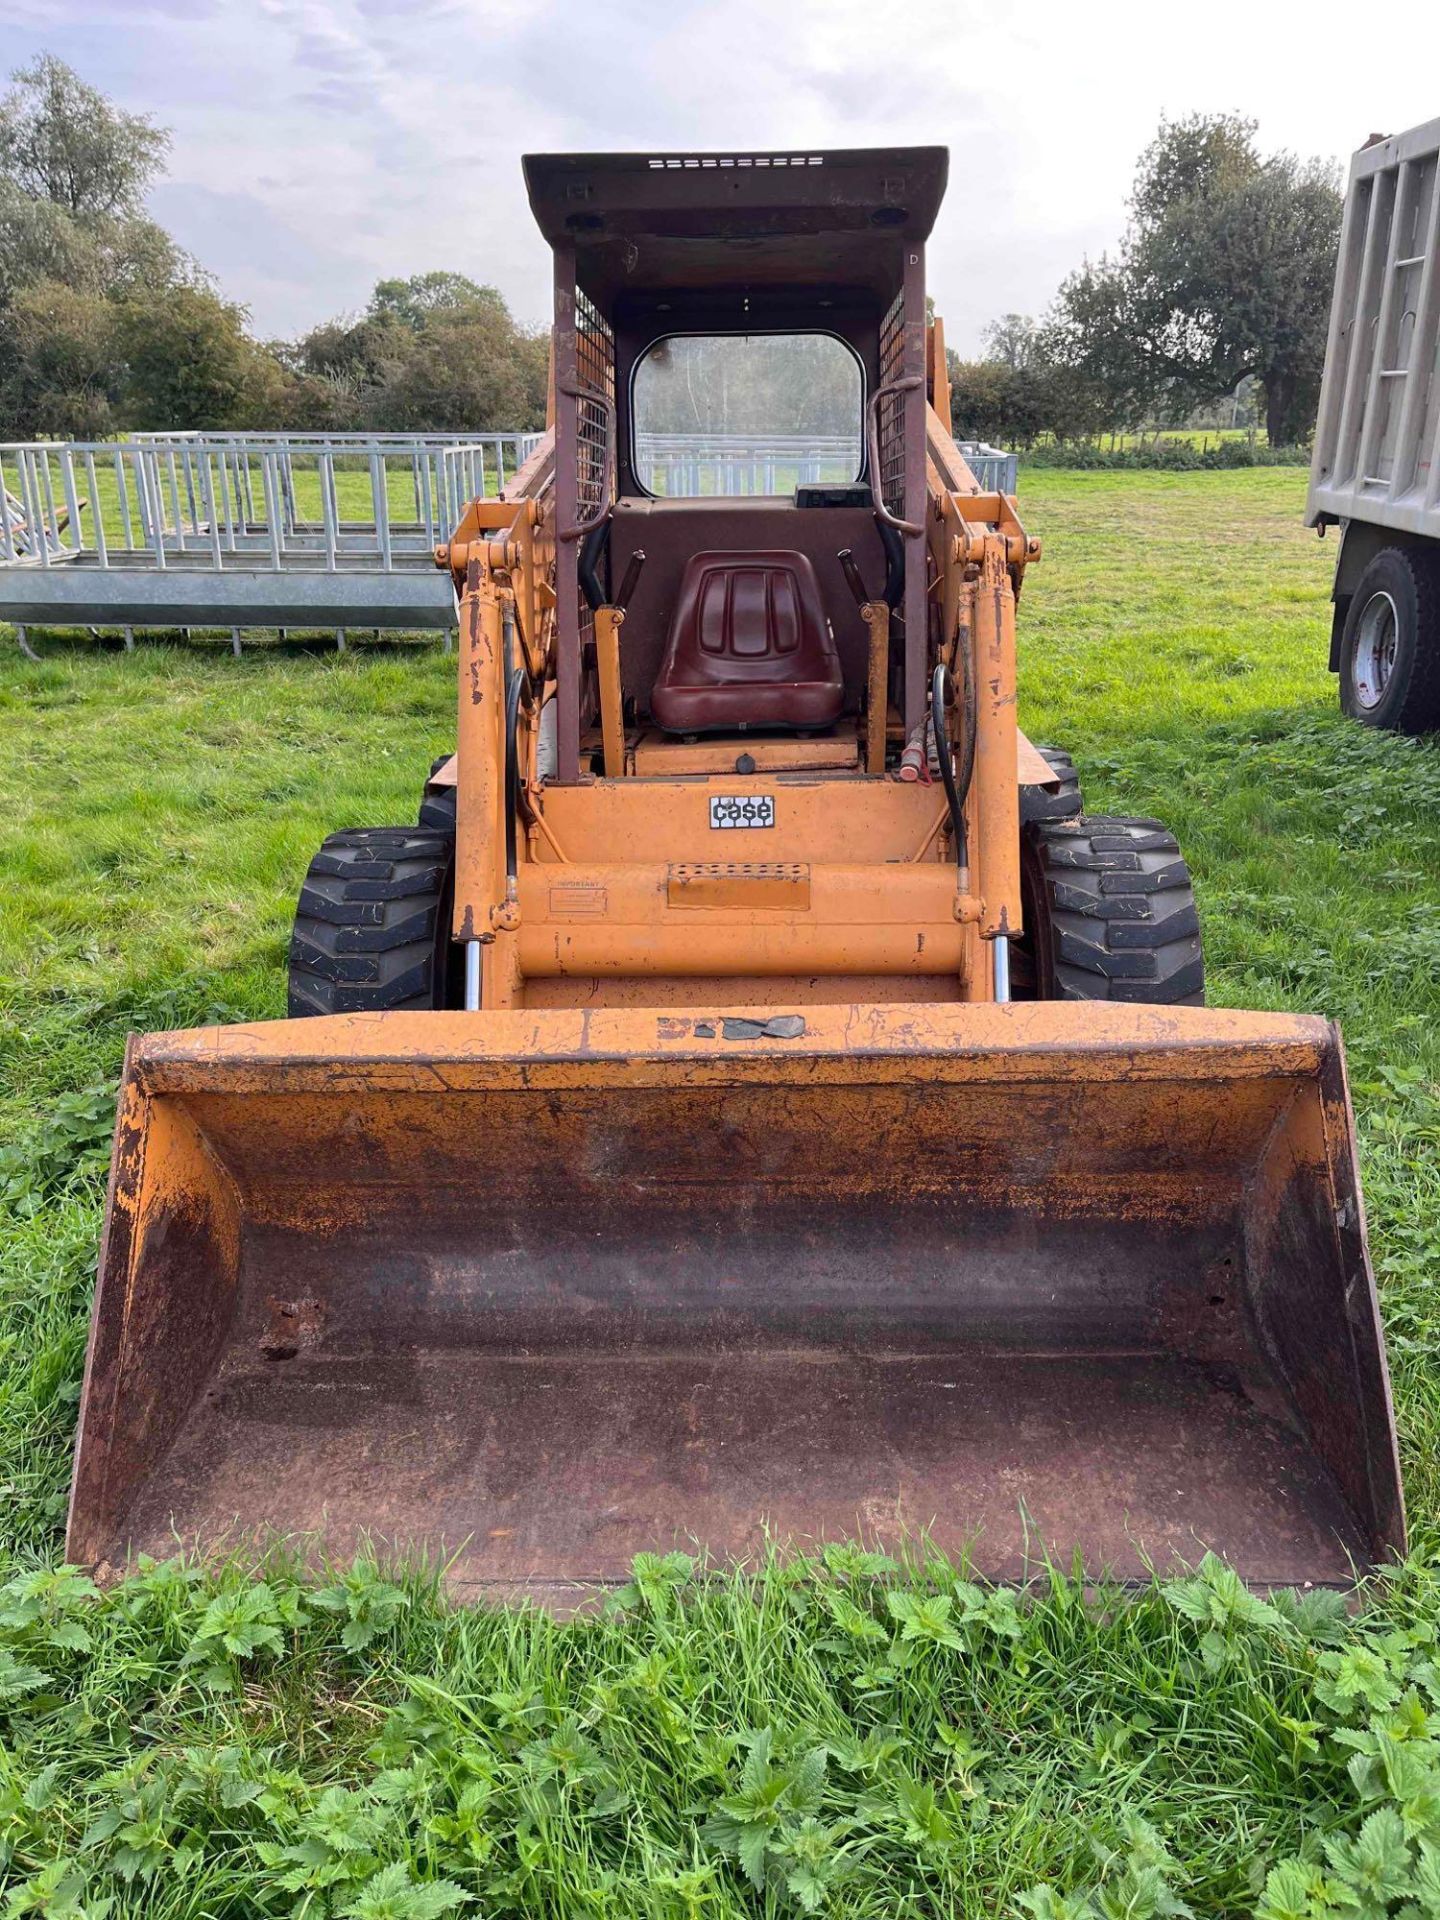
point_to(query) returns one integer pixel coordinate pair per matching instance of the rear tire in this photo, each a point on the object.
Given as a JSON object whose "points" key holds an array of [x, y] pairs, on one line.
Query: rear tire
{"points": [[1109, 913], [1039, 803], [437, 804], [1390, 647], [372, 928]]}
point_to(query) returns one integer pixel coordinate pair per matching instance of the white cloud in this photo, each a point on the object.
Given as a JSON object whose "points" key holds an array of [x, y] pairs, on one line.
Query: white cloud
{"points": [[322, 143]]}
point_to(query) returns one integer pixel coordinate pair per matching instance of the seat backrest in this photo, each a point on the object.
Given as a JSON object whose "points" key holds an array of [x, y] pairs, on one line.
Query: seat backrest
{"points": [[672, 532], [748, 618]]}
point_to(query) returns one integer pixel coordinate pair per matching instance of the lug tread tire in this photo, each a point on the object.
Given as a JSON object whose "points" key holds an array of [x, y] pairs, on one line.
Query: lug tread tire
{"points": [[437, 809], [1037, 803], [437, 804], [372, 927], [1110, 913]]}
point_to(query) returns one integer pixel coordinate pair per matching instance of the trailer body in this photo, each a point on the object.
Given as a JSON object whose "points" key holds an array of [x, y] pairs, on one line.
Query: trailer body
{"points": [[1375, 471]]}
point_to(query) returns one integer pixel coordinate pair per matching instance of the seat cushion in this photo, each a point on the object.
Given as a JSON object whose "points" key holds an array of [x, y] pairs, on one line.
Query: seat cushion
{"points": [[749, 646]]}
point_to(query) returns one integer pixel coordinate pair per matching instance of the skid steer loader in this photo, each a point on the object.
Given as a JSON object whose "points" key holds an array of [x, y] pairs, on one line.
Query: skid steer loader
{"points": [[755, 1097]]}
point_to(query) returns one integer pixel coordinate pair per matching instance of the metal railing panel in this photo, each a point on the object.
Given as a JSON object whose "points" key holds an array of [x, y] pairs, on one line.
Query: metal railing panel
{"points": [[330, 502]]}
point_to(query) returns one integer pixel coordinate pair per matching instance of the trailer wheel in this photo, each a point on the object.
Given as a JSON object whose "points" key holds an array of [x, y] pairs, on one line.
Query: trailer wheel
{"points": [[1109, 915], [372, 927], [1390, 649], [1038, 803]]}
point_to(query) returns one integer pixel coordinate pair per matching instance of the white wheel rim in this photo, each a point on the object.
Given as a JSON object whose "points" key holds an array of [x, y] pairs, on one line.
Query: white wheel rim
{"points": [[1376, 635]]}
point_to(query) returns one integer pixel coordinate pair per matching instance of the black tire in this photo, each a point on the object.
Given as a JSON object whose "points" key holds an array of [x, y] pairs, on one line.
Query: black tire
{"points": [[437, 804], [1109, 915], [1038, 803], [437, 809], [1390, 647], [372, 928]]}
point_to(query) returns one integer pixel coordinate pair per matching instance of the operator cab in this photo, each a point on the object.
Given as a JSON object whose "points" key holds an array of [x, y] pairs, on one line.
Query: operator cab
{"points": [[739, 418]]}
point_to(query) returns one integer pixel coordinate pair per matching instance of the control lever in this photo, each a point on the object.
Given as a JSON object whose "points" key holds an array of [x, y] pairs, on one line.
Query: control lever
{"points": [[631, 580], [853, 578]]}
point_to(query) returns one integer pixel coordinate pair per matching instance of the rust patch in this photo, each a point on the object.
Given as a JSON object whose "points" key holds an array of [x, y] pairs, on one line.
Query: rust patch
{"points": [[293, 1324]]}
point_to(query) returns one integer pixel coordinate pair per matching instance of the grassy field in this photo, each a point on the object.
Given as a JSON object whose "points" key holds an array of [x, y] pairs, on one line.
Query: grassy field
{"points": [[831, 1735]]}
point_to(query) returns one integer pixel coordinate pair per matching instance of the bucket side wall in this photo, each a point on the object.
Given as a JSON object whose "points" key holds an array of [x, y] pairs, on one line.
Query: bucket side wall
{"points": [[1315, 1301], [164, 1300]]}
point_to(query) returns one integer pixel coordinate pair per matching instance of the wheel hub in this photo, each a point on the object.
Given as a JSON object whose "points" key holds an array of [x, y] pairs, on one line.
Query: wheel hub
{"points": [[1373, 661]]}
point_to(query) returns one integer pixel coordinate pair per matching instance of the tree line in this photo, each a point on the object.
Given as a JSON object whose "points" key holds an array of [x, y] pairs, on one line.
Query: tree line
{"points": [[106, 324], [1223, 276]]}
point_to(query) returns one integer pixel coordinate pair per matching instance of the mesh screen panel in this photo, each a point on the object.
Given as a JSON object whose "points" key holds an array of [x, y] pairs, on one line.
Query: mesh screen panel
{"points": [[891, 422]]}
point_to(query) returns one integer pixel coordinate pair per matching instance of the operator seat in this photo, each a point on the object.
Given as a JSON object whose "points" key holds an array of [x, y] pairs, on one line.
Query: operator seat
{"points": [[749, 647]]}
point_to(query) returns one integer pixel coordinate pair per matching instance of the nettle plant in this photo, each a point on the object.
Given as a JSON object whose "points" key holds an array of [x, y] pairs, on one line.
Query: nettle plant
{"points": [[350, 1748]]}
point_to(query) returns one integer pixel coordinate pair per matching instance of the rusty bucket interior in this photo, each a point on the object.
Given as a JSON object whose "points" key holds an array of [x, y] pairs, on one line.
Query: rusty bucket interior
{"points": [[539, 1291]]}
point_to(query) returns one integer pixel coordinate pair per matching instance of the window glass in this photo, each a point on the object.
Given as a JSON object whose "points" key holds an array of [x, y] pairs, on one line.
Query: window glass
{"points": [[747, 413]]}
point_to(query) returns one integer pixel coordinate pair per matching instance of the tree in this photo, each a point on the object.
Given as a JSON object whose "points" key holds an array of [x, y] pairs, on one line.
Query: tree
{"points": [[106, 323], [62, 141], [1225, 273], [433, 353], [471, 371], [341, 369], [1012, 406], [428, 296], [1013, 340], [189, 363], [63, 380], [75, 249]]}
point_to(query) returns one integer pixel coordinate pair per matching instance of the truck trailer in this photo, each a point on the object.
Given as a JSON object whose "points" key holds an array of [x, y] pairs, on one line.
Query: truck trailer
{"points": [[1376, 466]]}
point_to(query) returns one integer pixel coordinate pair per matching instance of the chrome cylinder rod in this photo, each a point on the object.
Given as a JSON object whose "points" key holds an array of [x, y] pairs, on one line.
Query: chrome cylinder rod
{"points": [[1001, 944]]}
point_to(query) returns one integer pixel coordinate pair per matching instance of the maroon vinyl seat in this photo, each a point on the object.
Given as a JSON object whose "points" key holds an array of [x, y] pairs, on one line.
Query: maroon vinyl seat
{"points": [[749, 647]]}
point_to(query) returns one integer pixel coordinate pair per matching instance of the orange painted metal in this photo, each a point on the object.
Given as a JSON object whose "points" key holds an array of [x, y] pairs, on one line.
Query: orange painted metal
{"points": [[876, 616], [996, 842], [536, 1289], [817, 818], [938, 371], [1032, 769], [480, 760], [976, 1046], [608, 622], [770, 885], [625, 918], [835, 750]]}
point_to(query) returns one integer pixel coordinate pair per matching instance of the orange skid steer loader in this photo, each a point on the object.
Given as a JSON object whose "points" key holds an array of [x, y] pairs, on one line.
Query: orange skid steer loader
{"points": [[756, 1095]]}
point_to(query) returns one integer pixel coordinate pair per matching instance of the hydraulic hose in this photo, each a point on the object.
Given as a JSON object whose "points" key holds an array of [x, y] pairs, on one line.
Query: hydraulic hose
{"points": [[957, 785], [513, 783]]}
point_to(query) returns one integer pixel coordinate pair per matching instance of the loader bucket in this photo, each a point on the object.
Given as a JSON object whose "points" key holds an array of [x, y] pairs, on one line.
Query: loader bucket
{"points": [[542, 1289]]}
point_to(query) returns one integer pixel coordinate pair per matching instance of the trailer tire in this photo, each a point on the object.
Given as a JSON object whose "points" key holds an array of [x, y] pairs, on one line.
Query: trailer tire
{"points": [[372, 927], [1038, 803], [1390, 647], [1109, 914]]}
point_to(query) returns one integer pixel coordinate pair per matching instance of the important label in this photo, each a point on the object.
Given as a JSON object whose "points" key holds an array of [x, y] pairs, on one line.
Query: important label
{"points": [[742, 810]]}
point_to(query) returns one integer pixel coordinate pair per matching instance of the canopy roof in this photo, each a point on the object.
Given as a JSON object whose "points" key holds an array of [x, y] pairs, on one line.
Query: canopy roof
{"points": [[692, 220]]}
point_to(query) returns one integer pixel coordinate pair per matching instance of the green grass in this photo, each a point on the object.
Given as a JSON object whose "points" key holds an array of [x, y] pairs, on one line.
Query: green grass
{"points": [[843, 1737]]}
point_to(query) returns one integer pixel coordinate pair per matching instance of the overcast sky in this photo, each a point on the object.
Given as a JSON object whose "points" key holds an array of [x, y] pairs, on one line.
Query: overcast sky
{"points": [[321, 144]]}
